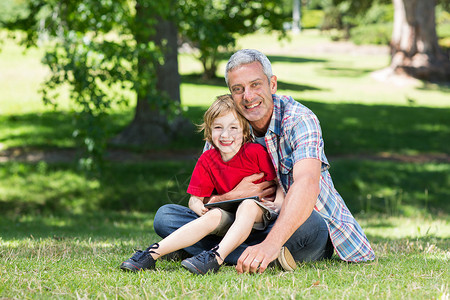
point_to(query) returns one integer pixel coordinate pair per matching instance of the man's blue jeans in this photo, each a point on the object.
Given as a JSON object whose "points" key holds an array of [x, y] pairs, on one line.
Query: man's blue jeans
{"points": [[309, 243]]}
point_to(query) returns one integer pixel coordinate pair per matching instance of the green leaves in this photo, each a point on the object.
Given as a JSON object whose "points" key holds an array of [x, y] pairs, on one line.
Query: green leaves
{"points": [[97, 47], [212, 26], [100, 49]]}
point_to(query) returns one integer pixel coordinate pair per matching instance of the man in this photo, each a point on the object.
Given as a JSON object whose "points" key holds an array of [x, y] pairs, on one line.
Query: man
{"points": [[314, 218]]}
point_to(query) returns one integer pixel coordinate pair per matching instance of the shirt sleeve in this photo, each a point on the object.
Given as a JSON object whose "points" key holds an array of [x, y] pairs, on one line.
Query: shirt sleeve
{"points": [[201, 184], [306, 140]]}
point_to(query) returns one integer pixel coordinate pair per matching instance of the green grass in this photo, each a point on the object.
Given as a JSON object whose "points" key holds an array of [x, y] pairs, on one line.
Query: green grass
{"points": [[77, 256], [393, 188]]}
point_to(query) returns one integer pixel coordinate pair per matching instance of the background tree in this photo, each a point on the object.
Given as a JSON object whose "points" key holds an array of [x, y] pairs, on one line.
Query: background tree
{"points": [[158, 91], [414, 45], [102, 49], [212, 26]]}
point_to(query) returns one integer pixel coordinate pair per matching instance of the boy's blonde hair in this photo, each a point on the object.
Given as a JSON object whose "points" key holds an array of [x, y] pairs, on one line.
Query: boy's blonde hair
{"points": [[222, 105]]}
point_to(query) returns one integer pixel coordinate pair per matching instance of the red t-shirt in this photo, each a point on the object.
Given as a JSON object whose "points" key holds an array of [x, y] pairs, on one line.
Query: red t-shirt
{"points": [[212, 173]]}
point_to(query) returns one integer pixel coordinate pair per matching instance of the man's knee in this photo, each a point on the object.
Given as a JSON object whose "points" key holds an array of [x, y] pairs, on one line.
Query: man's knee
{"points": [[159, 222], [309, 241], [168, 218]]}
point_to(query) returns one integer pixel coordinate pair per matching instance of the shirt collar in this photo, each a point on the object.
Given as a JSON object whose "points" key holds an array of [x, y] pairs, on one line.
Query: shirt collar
{"points": [[275, 121]]}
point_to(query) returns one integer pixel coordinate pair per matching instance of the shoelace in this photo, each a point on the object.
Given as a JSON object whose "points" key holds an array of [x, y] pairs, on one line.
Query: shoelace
{"points": [[206, 256], [139, 253]]}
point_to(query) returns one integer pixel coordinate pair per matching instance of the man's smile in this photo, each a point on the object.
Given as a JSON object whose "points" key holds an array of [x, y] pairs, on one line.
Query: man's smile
{"points": [[252, 105]]}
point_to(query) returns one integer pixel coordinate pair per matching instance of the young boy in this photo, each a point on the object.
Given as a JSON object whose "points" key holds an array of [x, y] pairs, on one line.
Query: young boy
{"points": [[220, 169]]}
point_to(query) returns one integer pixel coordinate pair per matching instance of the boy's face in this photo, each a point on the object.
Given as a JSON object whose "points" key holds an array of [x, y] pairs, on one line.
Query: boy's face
{"points": [[227, 135]]}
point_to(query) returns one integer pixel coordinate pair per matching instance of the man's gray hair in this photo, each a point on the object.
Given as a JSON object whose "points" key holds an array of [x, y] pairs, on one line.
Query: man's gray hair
{"points": [[247, 56]]}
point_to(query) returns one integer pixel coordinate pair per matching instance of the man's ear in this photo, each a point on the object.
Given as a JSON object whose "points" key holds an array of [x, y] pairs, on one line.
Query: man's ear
{"points": [[273, 84]]}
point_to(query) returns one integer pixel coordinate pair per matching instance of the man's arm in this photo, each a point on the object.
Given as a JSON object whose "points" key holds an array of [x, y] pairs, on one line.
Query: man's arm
{"points": [[246, 188], [296, 209]]}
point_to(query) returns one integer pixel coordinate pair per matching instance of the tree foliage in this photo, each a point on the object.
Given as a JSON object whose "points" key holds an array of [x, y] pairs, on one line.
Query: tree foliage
{"points": [[94, 49], [414, 46], [100, 49], [212, 26]]}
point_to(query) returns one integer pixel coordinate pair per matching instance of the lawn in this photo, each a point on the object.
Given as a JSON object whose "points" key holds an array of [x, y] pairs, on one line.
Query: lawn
{"points": [[63, 233], [77, 256]]}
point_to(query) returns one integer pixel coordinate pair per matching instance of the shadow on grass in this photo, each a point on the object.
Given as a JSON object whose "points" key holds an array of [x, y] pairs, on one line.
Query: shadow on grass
{"points": [[392, 187], [98, 225], [49, 129], [52, 130], [294, 59], [344, 72], [356, 128], [439, 86], [199, 80], [296, 87]]}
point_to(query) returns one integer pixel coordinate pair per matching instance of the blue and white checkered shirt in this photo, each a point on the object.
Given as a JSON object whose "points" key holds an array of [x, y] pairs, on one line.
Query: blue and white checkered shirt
{"points": [[294, 134]]}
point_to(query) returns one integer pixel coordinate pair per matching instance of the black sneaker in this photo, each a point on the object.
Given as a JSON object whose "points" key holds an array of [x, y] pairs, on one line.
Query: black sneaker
{"points": [[203, 263], [141, 260]]}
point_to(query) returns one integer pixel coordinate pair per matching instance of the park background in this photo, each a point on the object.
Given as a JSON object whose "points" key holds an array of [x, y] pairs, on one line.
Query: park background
{"points": [[75, 202]]}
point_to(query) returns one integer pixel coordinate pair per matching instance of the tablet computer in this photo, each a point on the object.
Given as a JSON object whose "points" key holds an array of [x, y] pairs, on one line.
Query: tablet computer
{"points": [[230, 205]]}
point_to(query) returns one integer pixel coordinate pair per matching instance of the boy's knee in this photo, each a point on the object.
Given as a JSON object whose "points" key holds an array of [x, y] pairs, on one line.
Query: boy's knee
{"points": [[249, 205], [219, 221], [213, 215]]}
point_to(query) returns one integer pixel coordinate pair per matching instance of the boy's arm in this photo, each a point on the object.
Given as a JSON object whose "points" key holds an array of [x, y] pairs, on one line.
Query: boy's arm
{"points": [[196, 204]]}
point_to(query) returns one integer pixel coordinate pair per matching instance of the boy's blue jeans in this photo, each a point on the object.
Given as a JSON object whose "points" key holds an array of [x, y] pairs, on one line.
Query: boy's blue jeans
{"points": [[309, 243]]}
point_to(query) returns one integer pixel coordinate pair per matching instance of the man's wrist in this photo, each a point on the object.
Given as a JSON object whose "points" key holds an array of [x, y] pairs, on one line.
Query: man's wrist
{"points": [[274, 239]]}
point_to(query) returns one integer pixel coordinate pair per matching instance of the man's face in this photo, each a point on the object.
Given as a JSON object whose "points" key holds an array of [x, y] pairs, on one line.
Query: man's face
{"points": [[252, 93]]}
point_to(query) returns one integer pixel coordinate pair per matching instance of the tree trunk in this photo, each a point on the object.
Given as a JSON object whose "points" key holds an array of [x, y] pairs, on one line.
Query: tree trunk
{"points": [[296, 17], [150, 125], [414, 46]]}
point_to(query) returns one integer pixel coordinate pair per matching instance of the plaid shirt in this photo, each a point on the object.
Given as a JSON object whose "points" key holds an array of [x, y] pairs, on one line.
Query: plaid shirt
{"points": [[294, 134]]}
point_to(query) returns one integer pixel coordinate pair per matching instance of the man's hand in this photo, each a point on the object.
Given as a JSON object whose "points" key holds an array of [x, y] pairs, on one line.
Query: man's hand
{"points": [[257, 258], [272, 205], [246, 188]]}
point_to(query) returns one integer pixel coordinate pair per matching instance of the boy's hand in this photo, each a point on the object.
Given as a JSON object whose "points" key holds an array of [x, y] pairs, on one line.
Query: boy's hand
{"points": [[199, 208]]}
